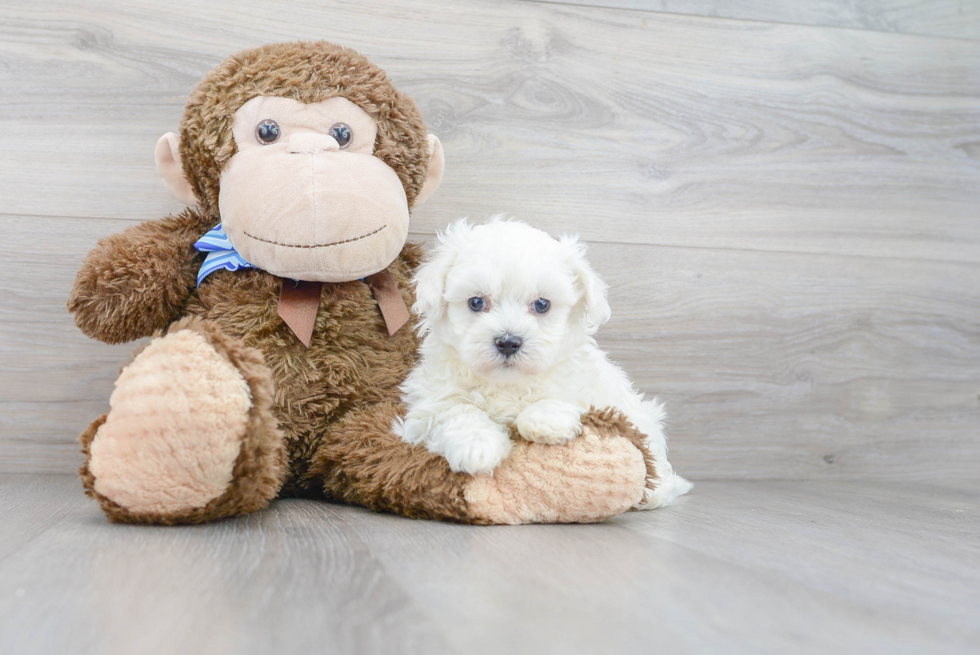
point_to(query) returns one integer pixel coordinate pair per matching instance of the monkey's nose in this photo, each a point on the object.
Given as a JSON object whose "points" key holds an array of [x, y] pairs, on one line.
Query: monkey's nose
{"points": [[508, 344], [311, 142]]}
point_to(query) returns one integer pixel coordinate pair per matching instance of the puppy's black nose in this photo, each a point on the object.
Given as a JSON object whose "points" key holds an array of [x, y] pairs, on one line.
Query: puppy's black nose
{"points": [[508, 344]]}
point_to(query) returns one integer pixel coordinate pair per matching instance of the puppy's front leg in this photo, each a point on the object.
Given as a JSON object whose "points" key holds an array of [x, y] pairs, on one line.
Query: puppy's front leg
{"points": [[550, 421], [469, 440]]}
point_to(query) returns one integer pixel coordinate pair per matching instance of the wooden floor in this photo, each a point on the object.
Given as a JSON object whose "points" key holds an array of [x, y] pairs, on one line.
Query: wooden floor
{"points": [[784, 198], [751, 566]]}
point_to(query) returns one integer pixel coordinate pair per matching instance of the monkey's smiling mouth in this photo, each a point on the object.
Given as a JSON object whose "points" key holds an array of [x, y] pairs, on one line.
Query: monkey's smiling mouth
{"points": [[321, 245]]}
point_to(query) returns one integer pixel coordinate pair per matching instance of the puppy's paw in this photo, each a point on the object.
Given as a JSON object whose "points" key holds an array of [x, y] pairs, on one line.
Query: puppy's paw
{"points": [[469, 440], [479, 449], [550, 422], [665, 492]]}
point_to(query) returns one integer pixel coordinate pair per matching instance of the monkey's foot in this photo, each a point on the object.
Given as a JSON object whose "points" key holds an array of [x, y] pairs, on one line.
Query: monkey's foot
{"points": [[601, 473], [190, 436]]}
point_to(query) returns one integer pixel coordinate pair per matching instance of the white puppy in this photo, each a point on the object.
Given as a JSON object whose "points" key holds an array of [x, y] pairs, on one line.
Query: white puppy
{"points": [[507, 314]]}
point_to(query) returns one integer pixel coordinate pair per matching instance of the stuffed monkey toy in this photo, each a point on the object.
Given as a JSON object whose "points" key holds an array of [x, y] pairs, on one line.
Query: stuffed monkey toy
{"points": [[277, 303]]}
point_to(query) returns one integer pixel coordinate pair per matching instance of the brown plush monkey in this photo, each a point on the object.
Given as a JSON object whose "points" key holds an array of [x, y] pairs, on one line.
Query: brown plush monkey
{"points": [[258, 386]]}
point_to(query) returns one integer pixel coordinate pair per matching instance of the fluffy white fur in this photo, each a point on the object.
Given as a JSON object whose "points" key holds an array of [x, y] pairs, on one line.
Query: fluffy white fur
{"points": [[464, 393]]}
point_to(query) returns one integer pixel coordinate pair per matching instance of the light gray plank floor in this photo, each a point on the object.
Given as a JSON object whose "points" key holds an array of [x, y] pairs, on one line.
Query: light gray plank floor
{"points": [[735, 567]]}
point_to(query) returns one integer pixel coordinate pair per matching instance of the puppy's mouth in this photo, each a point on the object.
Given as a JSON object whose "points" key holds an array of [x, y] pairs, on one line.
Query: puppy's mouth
{"points": [[496, 363], [514, 363], [492, 364]]}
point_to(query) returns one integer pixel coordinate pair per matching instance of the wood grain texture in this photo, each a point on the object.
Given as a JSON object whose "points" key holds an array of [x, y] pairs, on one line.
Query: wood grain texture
{"points": [[660, 129], [759, 567], [773, 365], [787, 215], [948, 18]]}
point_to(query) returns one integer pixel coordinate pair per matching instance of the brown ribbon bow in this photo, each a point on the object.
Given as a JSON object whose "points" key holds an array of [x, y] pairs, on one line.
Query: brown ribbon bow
{"points": [[299, 302]]}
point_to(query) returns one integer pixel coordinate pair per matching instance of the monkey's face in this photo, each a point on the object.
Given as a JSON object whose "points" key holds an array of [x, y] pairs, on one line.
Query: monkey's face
{"points": [[305, 197], [327, 159]]}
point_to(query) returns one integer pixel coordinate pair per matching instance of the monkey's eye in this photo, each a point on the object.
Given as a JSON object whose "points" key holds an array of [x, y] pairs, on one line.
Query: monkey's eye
{"points": [[478, 304], [541, 305], [342, 133], [267, 131]]}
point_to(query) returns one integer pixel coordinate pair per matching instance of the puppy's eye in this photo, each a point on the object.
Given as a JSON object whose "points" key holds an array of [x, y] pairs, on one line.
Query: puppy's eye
{"points": [[267, 132], [478, 304], [541, 306], [342, 133]]}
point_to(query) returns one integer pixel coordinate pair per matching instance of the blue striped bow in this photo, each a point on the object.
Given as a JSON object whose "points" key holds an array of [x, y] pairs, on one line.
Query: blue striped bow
{"points": [[221, 254]]}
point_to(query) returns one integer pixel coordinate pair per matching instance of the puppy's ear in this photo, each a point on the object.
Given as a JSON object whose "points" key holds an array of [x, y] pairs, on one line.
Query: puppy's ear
{"points": [[593, 289], [430, 278]]}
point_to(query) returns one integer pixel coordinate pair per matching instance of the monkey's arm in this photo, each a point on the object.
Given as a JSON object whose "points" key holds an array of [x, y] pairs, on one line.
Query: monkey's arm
{"points": [[136, 282]]}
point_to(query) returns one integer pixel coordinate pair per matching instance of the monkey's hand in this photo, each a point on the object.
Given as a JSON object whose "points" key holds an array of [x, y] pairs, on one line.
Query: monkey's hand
{"points": [[136, 282]]}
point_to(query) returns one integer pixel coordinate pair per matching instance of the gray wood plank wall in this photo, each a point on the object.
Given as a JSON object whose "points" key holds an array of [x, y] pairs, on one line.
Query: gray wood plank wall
{"points": [[787, 209], [950, 18]]}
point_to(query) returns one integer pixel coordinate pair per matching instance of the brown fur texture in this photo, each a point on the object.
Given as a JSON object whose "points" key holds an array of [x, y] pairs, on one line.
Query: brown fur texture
{"points": [[135, 283], [362, 462], [320, 420], [306, 72], [260, 467], [179, 415], [351, 362]]}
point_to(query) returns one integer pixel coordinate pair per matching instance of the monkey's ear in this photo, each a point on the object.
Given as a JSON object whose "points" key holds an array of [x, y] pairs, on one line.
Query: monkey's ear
{"points": [[167, 154], [437, 166]]}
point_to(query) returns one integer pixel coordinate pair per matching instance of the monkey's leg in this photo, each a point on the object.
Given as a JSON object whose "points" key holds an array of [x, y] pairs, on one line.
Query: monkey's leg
{"points": [[190, 436], [600, 474]]}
